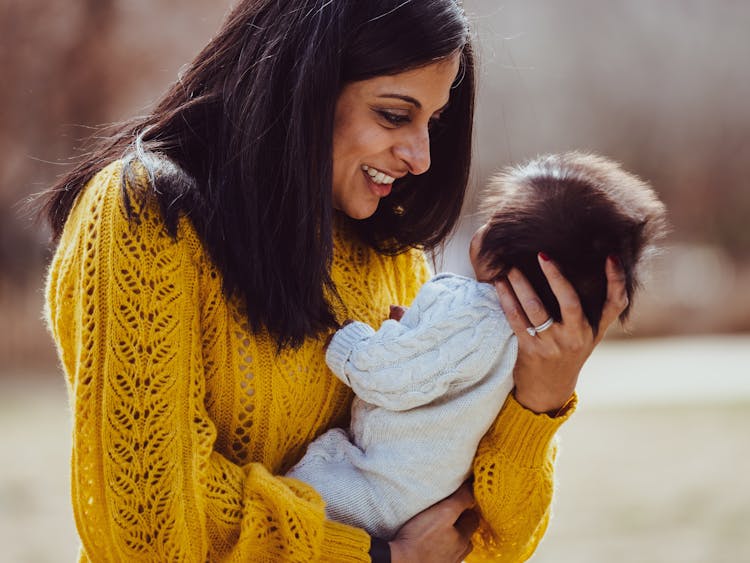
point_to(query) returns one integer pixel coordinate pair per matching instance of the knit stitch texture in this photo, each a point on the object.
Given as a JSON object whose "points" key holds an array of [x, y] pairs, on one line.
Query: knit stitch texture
{"points": [[184, 419], [427, 389]]}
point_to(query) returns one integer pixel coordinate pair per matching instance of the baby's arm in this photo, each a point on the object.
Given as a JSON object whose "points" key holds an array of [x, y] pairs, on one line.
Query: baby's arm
{"points": [[447, 338], [445, 344]]}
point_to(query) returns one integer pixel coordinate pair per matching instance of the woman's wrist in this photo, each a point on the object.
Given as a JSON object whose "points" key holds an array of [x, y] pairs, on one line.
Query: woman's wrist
{"points": [[551, 404]]}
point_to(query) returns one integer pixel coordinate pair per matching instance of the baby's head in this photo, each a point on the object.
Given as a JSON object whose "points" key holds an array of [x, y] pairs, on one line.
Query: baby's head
{"points": [[578, 209]]}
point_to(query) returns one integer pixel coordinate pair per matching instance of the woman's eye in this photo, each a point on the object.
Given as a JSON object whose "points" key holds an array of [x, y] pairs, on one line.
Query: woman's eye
{"points": [[394, 118]]}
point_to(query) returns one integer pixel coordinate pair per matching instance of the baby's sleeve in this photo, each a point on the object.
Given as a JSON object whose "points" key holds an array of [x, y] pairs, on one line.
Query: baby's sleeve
{"points": [[447, 339]]}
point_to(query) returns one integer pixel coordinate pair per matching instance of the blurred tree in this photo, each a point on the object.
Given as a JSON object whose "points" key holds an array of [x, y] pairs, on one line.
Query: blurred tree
{"points": [[54, 56], [660, 86]]}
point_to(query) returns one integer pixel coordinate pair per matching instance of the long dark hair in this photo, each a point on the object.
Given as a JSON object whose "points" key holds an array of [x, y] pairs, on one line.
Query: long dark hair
{"points": [[242, 145]]}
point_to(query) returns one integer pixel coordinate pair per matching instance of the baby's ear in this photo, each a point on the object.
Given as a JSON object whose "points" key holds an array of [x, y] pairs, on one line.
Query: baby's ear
{"points": [[481, 271]]}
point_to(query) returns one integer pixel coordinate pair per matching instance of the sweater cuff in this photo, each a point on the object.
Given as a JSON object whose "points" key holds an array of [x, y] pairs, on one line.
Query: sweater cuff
{"points": [[345, 543], [342, 345], [523, 436]]}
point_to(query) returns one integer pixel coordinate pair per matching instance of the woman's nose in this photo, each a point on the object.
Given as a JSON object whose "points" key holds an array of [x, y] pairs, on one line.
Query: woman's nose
{"points": [[414, 151]]}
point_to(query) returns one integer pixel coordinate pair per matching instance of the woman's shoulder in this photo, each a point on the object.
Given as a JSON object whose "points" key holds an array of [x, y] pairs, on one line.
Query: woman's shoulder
{"points": [[104, 194], [95, 203], [101, 185], [120, 201]]}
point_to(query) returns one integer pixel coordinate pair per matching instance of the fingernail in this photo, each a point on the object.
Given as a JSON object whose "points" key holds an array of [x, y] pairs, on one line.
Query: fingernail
{"points": [[544, 256], [615, 260]]}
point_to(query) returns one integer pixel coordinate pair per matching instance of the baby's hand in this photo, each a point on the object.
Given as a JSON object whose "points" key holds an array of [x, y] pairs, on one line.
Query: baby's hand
{"points": [[397, 311]]}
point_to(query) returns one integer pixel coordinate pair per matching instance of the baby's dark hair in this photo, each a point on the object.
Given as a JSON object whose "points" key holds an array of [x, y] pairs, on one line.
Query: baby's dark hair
{"points": [[577, 209]]}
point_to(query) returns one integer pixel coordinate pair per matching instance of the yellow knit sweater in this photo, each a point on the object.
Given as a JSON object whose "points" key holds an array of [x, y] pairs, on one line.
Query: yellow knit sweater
{"points": [[184, 420]]}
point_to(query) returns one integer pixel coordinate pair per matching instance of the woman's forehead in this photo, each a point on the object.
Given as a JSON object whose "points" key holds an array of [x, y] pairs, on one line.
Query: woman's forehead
{"points": [[427, 87]]}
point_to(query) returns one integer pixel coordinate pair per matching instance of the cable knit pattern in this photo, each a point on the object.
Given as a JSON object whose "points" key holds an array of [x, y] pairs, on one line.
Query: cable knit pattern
{"points": [[184, 419], [428, 388]]}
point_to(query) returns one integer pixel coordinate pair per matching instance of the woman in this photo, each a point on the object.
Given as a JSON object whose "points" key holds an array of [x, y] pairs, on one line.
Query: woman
{"points": [[288, 181]]}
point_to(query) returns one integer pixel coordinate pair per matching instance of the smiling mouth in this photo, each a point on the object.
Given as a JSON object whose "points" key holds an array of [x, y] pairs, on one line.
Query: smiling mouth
{"points": [[377, 176], [380, 190]]}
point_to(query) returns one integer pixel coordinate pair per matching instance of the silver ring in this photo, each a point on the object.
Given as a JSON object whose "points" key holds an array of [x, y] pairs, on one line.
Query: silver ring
{"points": [[533, 330]]}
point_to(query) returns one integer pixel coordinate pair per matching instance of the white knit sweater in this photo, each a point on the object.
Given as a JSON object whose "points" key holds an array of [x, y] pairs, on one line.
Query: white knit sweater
{"points": [[428, 388]]}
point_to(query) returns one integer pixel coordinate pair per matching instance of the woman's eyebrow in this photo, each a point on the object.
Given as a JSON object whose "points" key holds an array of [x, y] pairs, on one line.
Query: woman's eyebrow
{"points": [[415, 102], [408, 99]]}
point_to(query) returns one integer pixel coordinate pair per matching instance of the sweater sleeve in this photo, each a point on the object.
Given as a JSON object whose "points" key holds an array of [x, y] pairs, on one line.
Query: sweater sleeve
{"points": [[448, 339], [147, 484], [513, 482]]}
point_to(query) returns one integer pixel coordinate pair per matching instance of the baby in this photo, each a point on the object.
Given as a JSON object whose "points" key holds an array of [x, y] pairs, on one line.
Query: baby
{"points": [[429, 386]]}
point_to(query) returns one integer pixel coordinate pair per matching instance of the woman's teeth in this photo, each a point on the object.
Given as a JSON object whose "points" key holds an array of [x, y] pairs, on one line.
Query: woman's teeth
{"points": [[377, 176]]}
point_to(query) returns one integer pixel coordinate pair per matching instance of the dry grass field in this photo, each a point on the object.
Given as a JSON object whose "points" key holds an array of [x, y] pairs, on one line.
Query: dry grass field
{"points": [[653, 468]]}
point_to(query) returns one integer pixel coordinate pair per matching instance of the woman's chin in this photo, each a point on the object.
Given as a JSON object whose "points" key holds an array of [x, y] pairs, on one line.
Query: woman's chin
{"points": [[361, 212]]}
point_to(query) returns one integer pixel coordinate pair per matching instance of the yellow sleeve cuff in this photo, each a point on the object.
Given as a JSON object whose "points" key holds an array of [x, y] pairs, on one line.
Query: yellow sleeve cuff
{"points": [[345, 544], [523, 436]]}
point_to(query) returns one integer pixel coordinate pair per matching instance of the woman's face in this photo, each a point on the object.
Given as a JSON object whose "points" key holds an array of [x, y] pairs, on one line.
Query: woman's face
{"points": [[381, 133]]}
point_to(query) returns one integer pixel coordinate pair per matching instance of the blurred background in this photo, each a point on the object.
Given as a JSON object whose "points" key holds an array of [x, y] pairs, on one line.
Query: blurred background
{"points": [[653, 466]]}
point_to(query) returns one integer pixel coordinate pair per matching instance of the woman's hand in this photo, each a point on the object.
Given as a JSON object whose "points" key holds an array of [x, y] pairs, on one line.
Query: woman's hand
{"points": [[440, 534], [548, 363]]}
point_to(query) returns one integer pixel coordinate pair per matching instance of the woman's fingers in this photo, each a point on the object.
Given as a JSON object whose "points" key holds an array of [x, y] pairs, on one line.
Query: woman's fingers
{"points": [[467, 523], [462, 499], [514, 313], [532, 306], [466, 553], [570, 304], [617, 296], [550, 359], [439, 534]]}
